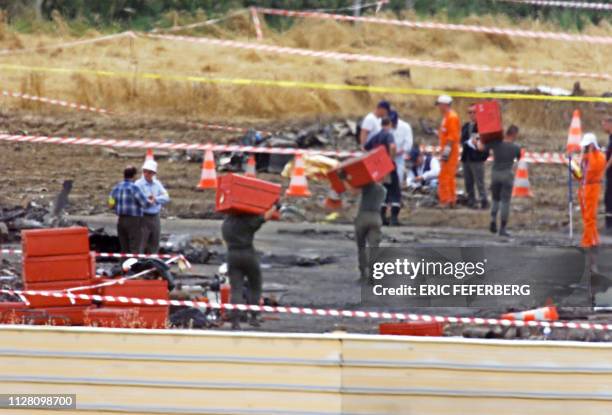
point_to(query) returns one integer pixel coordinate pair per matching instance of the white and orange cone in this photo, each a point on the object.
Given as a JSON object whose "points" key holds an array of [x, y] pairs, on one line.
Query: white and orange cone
{"points": [[250, 167], [522, 188], [575, 134], [539, 314], [208, 179], [149, 155], [333, 201], [298, 187]]}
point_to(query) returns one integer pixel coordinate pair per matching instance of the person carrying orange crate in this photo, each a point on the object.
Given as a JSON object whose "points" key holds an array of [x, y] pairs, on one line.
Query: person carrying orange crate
{"points": [[450, 136], [593, 167]]}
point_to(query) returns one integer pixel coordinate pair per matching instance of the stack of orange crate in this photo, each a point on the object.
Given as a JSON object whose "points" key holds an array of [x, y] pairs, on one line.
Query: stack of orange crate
{"points": [[54, 260], [148, 316]]}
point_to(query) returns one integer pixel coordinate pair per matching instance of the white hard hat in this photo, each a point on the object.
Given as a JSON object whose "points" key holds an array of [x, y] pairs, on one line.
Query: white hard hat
{"points": [[444, 99], [588, 139], [150, 165]]}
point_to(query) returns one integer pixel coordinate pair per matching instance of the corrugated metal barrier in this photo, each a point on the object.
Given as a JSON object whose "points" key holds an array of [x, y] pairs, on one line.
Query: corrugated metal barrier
{"points": [[207, 372]]}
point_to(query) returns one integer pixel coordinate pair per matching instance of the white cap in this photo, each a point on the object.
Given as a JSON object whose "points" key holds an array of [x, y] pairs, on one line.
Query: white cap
{"points": [[588, 139], [150, 165], [444, 99]]}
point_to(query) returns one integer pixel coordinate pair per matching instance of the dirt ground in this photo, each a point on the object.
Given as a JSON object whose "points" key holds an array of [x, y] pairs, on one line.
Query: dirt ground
{"points": [[334, 285], [35, 172]]}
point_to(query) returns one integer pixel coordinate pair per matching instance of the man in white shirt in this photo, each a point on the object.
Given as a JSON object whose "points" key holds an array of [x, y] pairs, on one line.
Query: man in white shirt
{"points": [[371, 124], [402, 134], [423, 171]]}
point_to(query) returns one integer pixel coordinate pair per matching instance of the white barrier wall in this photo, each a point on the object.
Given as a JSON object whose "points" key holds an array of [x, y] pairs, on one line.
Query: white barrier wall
{"points": [[206, 372]]}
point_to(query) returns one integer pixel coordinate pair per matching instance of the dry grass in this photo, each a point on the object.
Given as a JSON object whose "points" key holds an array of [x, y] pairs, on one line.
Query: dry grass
{"points": [[242, 103]]}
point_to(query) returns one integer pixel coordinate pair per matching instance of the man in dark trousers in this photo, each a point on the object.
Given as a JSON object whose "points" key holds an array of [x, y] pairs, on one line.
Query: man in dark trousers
{"points": [[473, 163], [502, 175], [128, 201], [238, 232], [368, 223], [391, 182], [606, 123]]}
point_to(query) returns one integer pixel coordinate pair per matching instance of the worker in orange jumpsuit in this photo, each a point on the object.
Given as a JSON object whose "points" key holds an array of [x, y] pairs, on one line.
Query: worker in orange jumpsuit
{"points": [[450, 137], [593, 167]]}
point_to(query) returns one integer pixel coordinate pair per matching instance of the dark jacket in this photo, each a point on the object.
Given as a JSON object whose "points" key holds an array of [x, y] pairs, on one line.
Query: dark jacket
{"points": [[470, 154], [238, 231]]}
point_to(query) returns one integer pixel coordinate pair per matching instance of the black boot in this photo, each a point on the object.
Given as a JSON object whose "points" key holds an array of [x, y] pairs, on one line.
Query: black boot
{"points": [[493, 226], [484, 204], [395, 210], [383, 216], [502, 230], [235, 319], [255, 319]]}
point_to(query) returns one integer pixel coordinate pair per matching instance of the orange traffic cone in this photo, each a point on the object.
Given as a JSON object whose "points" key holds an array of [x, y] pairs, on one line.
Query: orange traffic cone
{"points": [[298, 187], [250, 167], [539, 314], [575, 134], [208, 179], [333, 201], [149, 155], [521, 180]]}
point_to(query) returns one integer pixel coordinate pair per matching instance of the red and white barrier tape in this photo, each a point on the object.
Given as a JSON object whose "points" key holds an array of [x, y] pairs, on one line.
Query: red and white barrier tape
{"points": [[568, 4], [256, 23], [169, 146], [353, 57], [532, 157], [52, 101], [113, 255], [316, 312], [11, 52], [566, 37]]}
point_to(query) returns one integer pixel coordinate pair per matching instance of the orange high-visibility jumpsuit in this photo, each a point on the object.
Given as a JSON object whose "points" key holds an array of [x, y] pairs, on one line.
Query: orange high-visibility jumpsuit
{"points": [[449, 134], [593, 169]]}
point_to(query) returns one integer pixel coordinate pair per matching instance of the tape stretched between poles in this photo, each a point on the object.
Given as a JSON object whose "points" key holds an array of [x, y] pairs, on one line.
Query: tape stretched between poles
{"points": [[318, 312], [565, 37], [531, 157]]}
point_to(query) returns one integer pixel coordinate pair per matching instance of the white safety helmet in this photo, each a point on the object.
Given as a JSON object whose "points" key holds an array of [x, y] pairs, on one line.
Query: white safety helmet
{"points": [[444, 99], [588, 139], [150, 165]]}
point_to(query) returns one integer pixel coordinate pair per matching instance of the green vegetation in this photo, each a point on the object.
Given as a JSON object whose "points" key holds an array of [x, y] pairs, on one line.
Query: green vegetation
{"points": [[109, 15]]}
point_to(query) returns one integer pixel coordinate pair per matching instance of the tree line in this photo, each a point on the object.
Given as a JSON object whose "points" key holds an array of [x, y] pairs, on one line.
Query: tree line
{"points": [[145, 14]]}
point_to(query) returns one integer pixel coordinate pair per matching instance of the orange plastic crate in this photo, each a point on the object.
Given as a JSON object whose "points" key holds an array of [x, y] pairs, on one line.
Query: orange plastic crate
{"points": [[111, 317], [55, 316], [37, 301], [240, 194], [412, 328], [153, 317], [56, 241], [489, 120], [363, 170], [154, 289], [59, 268]]}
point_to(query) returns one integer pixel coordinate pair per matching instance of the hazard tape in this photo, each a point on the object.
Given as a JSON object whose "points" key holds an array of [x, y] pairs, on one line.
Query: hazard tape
{"points": [[307, 85], [11, 52], [606, 40], [256, 23], [170, 146], [532, 157], [113, 255], [353, 57], [53, 101], [568, 4], [315, 312]]}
